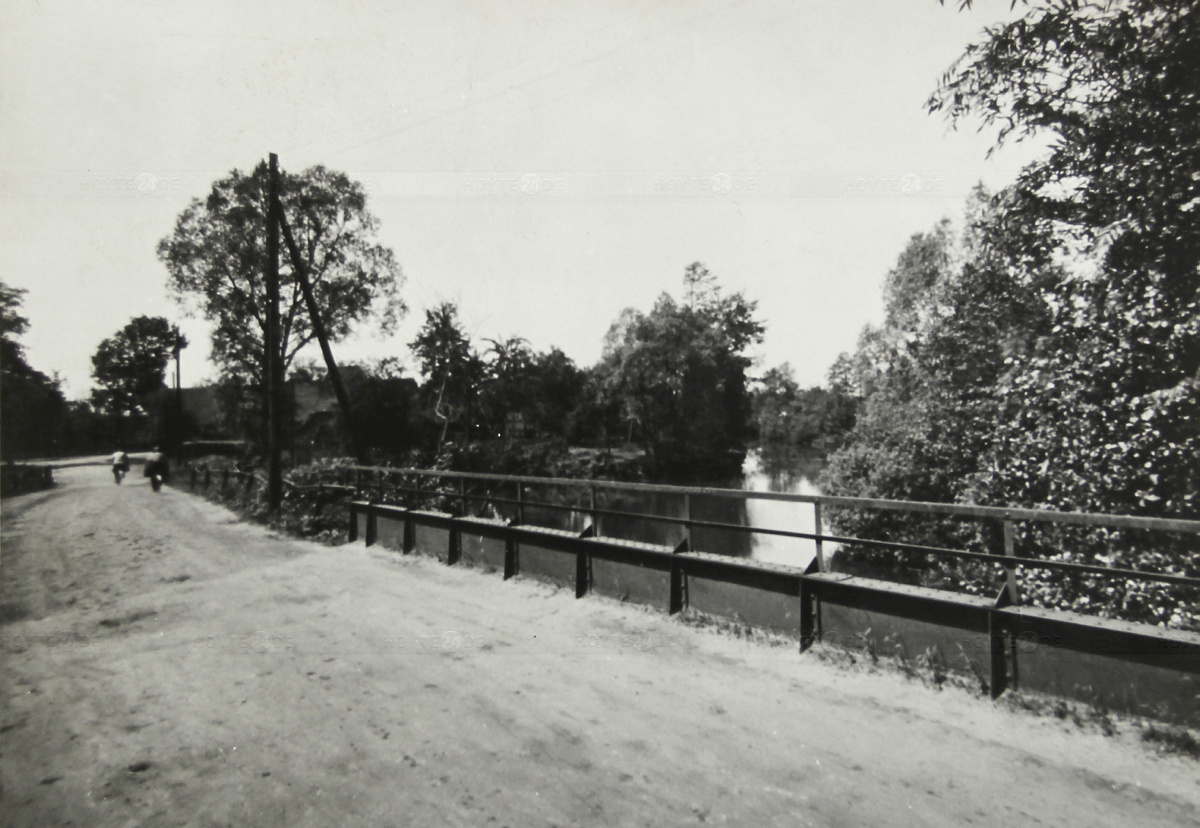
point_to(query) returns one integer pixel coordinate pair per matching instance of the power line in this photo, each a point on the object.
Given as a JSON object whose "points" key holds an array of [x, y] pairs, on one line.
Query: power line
{"points": [[541, 78]]}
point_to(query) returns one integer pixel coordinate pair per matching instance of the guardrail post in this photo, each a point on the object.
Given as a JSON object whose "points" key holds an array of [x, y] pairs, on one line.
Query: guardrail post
{"points": [[454, 550], [818, 530], [512, 561], [687, 517], [999, 645], [410, 536], [808, 626], [583, 565], [520, 503], [677, 601], [372, 528], [809, 619], [1010, 568]]}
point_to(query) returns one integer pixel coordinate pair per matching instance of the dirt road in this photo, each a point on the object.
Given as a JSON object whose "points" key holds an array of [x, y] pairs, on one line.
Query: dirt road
{"points": [[163, 664]]}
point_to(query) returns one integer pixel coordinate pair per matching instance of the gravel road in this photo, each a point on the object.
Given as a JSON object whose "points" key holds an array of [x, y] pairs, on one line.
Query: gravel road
{"points": [[165, 664]]}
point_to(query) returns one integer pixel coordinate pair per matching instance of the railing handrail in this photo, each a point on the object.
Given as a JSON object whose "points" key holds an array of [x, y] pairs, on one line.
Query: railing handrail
{"points": [[1007, 559], [925, 507], [961, 554]]}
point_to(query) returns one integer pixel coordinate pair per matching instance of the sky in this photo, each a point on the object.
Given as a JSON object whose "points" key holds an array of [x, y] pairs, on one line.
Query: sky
{"points": [[542, 163]]}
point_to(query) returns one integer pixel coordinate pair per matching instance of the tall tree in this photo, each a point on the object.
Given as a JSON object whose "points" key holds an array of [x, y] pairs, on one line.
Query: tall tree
{"points": [[130, 366], [543, 388], [679, 372], [560, 388], [452, 369], [1116, 87], [215, 261], [508, 387]]}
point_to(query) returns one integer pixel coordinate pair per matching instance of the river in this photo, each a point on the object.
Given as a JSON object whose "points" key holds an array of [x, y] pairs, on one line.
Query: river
{"points": [[794, 475], [762, 472]]}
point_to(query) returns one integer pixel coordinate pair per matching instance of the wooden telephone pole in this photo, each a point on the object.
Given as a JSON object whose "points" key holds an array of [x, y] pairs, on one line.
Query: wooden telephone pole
{"points": [[276, 223], [314, 313], [274, 363]]}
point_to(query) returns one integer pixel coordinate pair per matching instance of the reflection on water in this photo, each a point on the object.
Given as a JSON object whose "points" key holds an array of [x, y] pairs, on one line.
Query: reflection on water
{"points": [[790, 474], [762, 472]]}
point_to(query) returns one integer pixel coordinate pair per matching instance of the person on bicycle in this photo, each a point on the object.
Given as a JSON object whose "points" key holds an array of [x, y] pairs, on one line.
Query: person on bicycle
{"points": [[120, 464], [156, 463]]}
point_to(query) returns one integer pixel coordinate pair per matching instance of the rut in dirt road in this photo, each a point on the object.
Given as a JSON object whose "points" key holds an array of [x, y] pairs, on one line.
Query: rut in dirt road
{"points": [[164, 664]]}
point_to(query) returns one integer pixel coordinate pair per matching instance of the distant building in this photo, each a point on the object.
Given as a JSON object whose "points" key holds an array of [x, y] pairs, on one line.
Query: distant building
{"points": [[215, 412]]}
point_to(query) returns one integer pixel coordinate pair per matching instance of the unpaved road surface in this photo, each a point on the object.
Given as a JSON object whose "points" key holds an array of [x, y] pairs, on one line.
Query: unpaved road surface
{"points": [[164, 664]]}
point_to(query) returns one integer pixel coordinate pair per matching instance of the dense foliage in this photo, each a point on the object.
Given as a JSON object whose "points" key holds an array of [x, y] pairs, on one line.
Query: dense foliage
{"points": [[670, 391], [678, 374], [36, 420], [1050, 357], [788, 416], [1119, 87], [33, 408]]}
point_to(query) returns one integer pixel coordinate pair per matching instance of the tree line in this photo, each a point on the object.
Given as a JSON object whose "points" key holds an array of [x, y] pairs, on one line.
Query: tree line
{"points": [[671, 392]]}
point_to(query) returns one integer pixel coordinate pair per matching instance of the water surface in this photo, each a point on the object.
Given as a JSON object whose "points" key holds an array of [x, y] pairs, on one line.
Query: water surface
{"points": [[763, 471]]}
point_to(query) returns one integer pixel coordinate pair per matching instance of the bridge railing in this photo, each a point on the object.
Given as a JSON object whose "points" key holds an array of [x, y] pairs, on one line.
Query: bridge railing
{"points": [[454, 491], [458, 492]]}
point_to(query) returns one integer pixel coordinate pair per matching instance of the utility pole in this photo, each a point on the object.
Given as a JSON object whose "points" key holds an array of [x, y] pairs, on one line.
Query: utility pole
{"points": [[177, 437], [314, 313], [273, 363]]}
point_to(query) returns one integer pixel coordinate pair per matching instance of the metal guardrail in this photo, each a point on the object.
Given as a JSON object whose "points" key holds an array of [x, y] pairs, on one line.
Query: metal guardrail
{"points": [[373, 479]]}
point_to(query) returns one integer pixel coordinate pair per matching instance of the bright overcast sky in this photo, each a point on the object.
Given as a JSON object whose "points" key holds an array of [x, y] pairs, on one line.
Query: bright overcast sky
{"points": [[544, 163]]}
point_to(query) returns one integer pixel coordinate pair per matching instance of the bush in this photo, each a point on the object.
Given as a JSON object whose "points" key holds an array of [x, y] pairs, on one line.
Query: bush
{"points": [[313, 506]]}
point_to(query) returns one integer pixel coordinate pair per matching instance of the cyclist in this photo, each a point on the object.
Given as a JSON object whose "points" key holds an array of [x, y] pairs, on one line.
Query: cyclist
{"points": [[120, 465], [156, 464]]}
